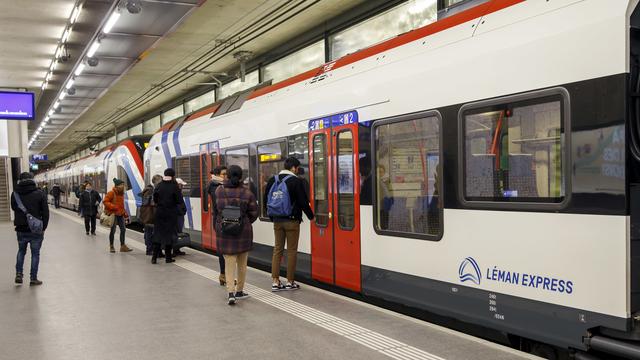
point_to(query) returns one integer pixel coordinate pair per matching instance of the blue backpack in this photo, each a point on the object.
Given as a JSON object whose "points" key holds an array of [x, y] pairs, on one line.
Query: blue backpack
{"points": [[278, 200]]}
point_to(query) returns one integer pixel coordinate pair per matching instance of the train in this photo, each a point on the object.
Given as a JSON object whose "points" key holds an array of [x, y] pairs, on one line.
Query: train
{"points": [[122, 160], [482, 168]]}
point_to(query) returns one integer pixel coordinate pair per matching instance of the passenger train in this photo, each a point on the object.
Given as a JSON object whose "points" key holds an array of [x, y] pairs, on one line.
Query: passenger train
{"points": [[123, 161], [483, 168]]}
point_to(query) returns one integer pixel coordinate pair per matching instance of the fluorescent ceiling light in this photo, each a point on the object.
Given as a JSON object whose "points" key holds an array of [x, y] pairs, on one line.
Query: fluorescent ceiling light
{"points": [[63, 95], [94, 47], [112, 21], [69, 84], [59, 52], [48, 77], [54, 63], [75, 14], [55, 106], [46, 119], [80, 69], [44, 85], [50, 112], [65, 35]]}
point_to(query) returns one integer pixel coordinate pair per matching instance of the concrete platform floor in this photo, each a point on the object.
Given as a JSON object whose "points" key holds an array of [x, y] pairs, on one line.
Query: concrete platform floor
{"points": [[97, 305]]}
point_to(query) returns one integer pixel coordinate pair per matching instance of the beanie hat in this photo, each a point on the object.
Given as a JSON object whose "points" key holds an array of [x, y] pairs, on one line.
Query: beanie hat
{"points": [[117, 181], [170, 172], [25, 176]]}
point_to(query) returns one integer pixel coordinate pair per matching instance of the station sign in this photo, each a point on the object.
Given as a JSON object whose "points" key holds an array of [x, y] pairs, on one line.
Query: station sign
{"points": [[39, 157], [17, 105]]}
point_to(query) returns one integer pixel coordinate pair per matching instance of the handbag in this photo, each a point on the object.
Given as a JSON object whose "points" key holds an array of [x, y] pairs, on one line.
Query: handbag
{"points": [[107, 219], [35, 225]]}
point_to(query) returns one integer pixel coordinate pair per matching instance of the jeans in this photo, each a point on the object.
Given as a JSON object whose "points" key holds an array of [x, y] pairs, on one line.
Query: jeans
{"points": [[148, 235], [288, 231], [56, 201], [90, 223], [118, 221], [25, 239]]}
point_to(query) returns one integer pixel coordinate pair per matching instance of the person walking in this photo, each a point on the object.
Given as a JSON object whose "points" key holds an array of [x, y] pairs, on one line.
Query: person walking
{"points": [[234, 213], [114, 204], [147, 212], [55, 192], [218, 176], [27, 199], [286, 199], [168, 199], [89, 202]]}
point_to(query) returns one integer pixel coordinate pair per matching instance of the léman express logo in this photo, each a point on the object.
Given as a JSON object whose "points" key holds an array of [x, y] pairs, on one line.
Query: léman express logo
{"points": [[470, 271]]}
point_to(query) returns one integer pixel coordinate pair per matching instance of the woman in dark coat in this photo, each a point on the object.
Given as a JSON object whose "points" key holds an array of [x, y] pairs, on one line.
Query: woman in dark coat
{"points": [[235, 249], [168, 200], [89, 202]]}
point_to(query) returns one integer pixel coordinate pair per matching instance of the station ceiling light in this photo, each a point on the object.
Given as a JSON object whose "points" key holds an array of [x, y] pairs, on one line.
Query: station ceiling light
{"points": [[69, 83], [111, 22], [94, 47], [79, 69]]}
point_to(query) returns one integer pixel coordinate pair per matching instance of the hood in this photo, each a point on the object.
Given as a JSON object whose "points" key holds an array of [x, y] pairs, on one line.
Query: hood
{"points": [[26, 186]]}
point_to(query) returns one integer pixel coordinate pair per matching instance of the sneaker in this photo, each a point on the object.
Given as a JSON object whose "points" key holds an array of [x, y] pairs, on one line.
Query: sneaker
{"points": [[112, 249], [93, 233], [35, 282], [124, 248], [19, 278], [241, 295], [232, 299], [292, 286], [277, 287]]}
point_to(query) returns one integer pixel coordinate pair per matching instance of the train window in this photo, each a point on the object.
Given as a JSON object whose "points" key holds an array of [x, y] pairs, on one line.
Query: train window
{"points": [[270, 162], [188, 169], [122, 175], [299, 149], [204, 181], [513, 151], [320, 180], [346, 183], [406, 179]]}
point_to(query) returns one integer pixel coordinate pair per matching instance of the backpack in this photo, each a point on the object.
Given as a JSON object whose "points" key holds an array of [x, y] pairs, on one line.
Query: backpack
{"points": [[232, 219], [147, 210], [35, 225], [278, 199]]}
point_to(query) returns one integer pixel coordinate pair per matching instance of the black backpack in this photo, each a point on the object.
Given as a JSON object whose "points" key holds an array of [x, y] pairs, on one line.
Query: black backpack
{"points": [[232, 218]]}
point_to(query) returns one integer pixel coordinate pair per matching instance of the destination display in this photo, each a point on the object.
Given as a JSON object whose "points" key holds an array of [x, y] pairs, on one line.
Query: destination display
{"points": [[16, 105]]}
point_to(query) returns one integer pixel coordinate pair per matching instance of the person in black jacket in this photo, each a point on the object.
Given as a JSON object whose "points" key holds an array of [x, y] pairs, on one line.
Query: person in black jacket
{"points": [[89, 202], [287, 228], [35, 202], [168, 200], [218, 176], [56, 191]]}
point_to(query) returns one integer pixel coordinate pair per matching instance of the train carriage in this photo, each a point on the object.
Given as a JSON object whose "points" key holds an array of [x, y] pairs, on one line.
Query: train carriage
{"points": [[483, 167]]}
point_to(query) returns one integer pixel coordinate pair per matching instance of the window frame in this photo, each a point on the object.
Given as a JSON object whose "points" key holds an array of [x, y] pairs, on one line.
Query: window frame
{"points": [[356, 185], [259, 196], [374, 175], [565, 149], [327, 151]]}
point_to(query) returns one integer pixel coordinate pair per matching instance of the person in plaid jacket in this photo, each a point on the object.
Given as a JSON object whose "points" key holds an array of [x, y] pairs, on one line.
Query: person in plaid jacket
{"points": [[235, 249]]}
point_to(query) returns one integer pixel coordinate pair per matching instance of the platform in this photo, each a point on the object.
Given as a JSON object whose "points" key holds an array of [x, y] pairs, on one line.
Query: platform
{"points": [[97, 305]]}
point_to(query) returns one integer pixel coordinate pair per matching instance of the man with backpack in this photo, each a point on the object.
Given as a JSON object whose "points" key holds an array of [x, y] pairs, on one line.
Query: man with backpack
{"points": [[286, 199], [31, 219]]}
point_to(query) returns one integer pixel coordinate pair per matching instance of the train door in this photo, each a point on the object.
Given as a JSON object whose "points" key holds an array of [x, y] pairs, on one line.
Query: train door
{"points": [[335, 198], [209, 158]]}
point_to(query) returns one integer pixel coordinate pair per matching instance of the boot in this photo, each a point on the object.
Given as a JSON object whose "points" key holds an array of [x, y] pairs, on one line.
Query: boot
{"points": [[35, 282], [19, 278], [124, 248], [112, 249], [222, 279]]}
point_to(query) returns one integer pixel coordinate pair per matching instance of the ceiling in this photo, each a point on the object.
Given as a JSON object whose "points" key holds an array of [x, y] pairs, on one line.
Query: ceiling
{"points": [[162, 67]]}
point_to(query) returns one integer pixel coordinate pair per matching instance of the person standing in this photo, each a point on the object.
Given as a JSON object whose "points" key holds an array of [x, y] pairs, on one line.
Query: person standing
{"points": [[147, 212], [218, 176], [28, 199], [235, 211], [114, 204], [286, 226], [182, 211], [89, 201], [55, 192], [168, 199]]}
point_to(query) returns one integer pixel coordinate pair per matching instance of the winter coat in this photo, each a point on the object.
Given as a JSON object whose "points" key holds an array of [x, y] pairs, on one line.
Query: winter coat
{"points": [[147, 205], [211, 190], [297, 194], [55, 191], [235, 196], [169, 202], [114, 203], [34, 200], [89, 201]]}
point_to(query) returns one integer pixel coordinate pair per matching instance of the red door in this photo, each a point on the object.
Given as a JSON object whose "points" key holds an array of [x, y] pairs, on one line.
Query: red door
{"points": [[335, 198], [208, 159]]}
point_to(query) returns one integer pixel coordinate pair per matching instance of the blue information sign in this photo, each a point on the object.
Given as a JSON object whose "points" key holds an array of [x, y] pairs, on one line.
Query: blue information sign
{"points": [[40, 157], [347, 118]]}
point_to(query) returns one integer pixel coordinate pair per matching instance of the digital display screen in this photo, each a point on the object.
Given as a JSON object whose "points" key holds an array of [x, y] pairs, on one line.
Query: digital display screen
{"points": [[17, 105]]}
